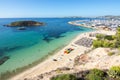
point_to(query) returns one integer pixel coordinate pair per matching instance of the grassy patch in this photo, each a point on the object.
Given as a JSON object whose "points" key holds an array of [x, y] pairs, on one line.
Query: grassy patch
{"points": [[110, 53], [64, 77], [114, 72]]}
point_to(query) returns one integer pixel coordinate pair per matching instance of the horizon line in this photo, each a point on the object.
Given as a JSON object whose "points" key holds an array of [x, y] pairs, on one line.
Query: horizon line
{"points": [[60, 16]]}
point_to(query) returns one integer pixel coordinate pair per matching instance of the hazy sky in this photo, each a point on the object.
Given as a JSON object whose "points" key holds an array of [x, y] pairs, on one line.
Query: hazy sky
{"points": [[58, 8]]}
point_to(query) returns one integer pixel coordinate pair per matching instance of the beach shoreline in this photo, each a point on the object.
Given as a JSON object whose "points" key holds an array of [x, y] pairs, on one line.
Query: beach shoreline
{"points": [[62, 59], [47, 60]]}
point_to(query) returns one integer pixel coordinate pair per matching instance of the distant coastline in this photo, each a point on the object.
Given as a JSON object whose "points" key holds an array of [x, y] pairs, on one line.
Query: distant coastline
{"points": [[78, 24], [97, 24]]}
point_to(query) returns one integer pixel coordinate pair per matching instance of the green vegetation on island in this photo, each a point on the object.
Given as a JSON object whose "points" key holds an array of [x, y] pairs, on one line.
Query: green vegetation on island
{"points": [[25, 24]]}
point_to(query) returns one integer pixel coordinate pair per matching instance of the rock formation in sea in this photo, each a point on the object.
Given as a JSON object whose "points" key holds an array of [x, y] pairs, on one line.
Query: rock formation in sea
{"points": [[24, 24], [4, 59]]}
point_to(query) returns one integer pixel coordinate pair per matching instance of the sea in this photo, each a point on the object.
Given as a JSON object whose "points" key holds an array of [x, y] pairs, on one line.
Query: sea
{"points": [[24, 47]]}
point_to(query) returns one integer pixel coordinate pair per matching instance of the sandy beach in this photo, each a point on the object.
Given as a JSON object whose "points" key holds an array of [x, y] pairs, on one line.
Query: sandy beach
{"points": [[63, 60], [59, 40]]}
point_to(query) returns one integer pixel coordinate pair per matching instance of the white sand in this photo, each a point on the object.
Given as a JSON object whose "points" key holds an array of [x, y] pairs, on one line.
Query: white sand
{"points": [[63, 59]]}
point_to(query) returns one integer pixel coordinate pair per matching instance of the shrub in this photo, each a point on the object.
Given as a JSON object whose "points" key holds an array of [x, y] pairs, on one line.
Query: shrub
{"points": [[114, 72], [114, 36], [64, 77], [108, 44], [93, 77], [112, 44], [97, 72], [97, 43], [110, 53], [111, 41], [100, 36], [117, 43], [103, 43], [109, 37]]}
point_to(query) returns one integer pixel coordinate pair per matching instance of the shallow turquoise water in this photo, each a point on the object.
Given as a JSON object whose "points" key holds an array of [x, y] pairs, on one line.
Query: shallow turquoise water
{"points": [[25, 47]]}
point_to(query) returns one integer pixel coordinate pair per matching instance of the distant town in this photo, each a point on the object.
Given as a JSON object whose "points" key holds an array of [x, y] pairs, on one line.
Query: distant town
{"points": [[103, 22]]}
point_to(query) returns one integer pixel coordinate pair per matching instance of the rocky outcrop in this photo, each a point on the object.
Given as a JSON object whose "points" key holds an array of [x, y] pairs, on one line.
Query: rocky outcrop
{"points": [[4, 59], [24, 24]]}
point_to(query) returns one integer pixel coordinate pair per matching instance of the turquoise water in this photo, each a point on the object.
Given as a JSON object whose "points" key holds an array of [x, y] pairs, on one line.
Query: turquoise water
{"points": [[27, 46]]}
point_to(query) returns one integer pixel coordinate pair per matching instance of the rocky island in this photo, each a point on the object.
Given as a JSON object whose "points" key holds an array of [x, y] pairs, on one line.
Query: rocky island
{"points": [[24, 24]]}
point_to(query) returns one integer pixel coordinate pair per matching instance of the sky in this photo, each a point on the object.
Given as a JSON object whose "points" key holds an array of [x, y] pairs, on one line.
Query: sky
{"points": [[58, 8]]}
